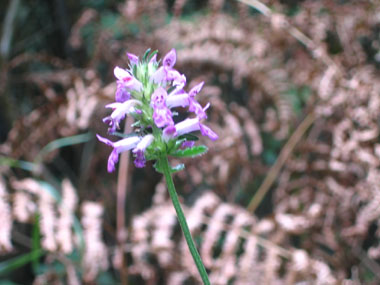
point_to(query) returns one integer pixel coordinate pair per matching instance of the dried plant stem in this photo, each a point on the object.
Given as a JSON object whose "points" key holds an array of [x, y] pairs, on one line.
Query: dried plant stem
{"points": [[294, 32], [275, 169], [164, 164], [122, 183]]}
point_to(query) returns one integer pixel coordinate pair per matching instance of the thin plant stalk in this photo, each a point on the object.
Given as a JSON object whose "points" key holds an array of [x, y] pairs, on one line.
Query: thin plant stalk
{"points": [[122, 184], [164, 164]]}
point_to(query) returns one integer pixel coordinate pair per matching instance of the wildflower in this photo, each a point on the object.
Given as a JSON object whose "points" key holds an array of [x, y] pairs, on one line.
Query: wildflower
{"points": [[192, 125], [166, 72], [150, 93], [162, 116], [140, 150], [118, 147], [133, 59], [127, 80], [120, 110]]}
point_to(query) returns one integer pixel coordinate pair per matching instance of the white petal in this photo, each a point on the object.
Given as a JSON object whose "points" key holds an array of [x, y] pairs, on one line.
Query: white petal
{"points": [[120, 73]]}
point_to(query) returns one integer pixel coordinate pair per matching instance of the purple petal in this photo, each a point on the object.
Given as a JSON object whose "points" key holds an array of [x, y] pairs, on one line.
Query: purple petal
{"points": [[113, 124], [187, 144], [144, 143], [196, 89], [153, 59], [169, 132], [159, 76], [133, 59], [162, 117], [140, 159], [173, 101], [113, 106], [196, 108], [112, 160], [126, 144], [187, 126], [158, 98], [121, 73], [174, 75], [122, 93], [104, 140], [170, 58], [206, 131]]}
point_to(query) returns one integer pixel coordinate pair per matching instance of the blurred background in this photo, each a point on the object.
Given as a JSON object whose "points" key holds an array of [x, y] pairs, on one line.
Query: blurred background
{"points": [[289, 194]]}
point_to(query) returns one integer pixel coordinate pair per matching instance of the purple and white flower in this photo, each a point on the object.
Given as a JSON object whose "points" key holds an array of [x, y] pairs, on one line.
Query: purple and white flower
{"points": [[139, 150], [120, 110], [162, 116], [118, 147], [127, 80], [133, 59], [191, 125], [166, 72], [151, 104], [194, 106]]}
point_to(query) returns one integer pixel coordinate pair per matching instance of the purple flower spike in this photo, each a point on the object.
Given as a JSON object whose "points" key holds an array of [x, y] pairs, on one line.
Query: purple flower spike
{"points": [[170, 59], [133, 59], [118, 147], [126, 79]]}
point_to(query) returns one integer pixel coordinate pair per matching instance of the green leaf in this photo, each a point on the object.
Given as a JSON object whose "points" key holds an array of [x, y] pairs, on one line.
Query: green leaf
{"points": [[189, 137], [51, 190], [122, 135], [158, 167], [62, 142], [191, 152], [36, 245], [177, 168], [134, 70], [146, 54], [14, 263], [26, 165], [174, 169], [178, 143], [171, 89], [151, 55], [77, 226]]}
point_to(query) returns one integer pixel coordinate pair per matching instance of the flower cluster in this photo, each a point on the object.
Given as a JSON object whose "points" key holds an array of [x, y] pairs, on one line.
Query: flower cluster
{"points": [[150, 93]]}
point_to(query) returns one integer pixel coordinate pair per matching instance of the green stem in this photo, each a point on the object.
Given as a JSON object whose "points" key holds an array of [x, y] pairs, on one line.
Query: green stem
{"points": [[164, 165]]}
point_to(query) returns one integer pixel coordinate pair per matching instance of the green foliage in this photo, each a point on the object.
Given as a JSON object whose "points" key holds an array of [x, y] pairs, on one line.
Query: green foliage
{"points": [[62, 142], [190, 152], [19, 261], [298, 97], [174, 169], [272, 148]]}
